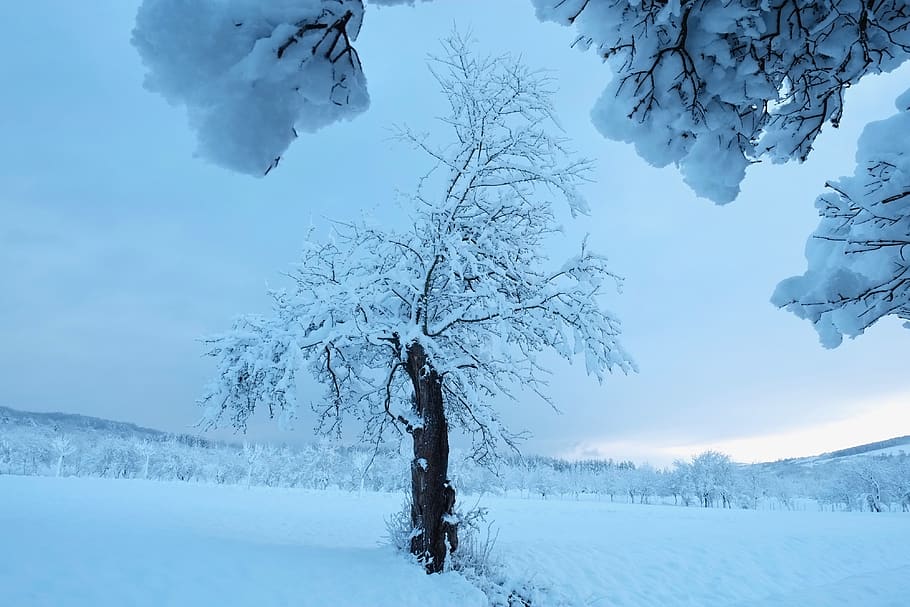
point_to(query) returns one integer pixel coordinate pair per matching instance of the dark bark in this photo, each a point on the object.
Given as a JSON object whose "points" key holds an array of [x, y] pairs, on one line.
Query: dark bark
{"points": [[430, 500]]}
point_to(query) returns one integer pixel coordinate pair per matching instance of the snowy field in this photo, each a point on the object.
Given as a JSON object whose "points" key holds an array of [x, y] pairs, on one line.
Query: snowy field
{"points": [[98, 543]]}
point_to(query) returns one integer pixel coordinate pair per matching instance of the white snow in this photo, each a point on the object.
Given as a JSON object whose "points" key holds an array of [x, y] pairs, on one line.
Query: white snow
{"points": [[92, 542], [98, 543]]}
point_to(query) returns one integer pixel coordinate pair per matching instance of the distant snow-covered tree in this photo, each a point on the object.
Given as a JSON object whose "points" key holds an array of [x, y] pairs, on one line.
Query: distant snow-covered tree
{"points": [[180, 460], [879, 482], [837, 489], [711, 474], [680, 482], [898, 480], [145, 448], [643, 482], [63, 447], [116, 458], [606, 480], [751, 486], [6, 456], [422, 327], [253, 455], [359, 466]]}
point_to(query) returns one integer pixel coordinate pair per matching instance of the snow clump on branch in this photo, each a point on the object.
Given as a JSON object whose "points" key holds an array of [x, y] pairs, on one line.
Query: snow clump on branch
{"points": [[253, 73], [859, 256], [713, 86]]}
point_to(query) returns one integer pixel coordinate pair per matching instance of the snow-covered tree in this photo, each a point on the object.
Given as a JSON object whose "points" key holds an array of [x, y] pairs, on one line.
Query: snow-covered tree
{"points": [[898, 480], [63, 447], [711, 474], [417, 328], [545, 480], [752, 485], [253, 455], [6, 456], [115, 459], [180, 459], [715, 86], [359, 466], [680, 482], [146, 449], [859, 256], [643, 482], [879, 482], [837, 488]]}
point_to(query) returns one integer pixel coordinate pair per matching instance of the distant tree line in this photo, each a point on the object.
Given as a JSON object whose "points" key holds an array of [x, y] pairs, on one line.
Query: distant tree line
{"points": [[874, 483]]}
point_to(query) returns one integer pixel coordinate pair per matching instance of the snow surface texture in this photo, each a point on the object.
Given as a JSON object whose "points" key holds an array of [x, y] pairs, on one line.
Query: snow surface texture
{"points": [[99, 543], [712, 86], [859, 256]]}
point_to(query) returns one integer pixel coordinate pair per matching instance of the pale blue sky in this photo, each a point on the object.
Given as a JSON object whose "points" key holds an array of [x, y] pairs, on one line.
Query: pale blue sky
{"points": [[119, 249]]}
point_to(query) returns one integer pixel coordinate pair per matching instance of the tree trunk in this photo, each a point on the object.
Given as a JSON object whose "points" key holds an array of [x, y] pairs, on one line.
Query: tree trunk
{"points": [[429, 468]]}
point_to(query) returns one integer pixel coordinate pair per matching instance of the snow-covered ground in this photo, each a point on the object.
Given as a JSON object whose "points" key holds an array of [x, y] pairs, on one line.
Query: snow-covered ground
{"points": [[98, 543]]}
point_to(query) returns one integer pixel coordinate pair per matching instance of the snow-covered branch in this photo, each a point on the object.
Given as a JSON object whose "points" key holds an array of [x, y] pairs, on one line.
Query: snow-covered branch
{"points": [[859, 256], [714, 86]]}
